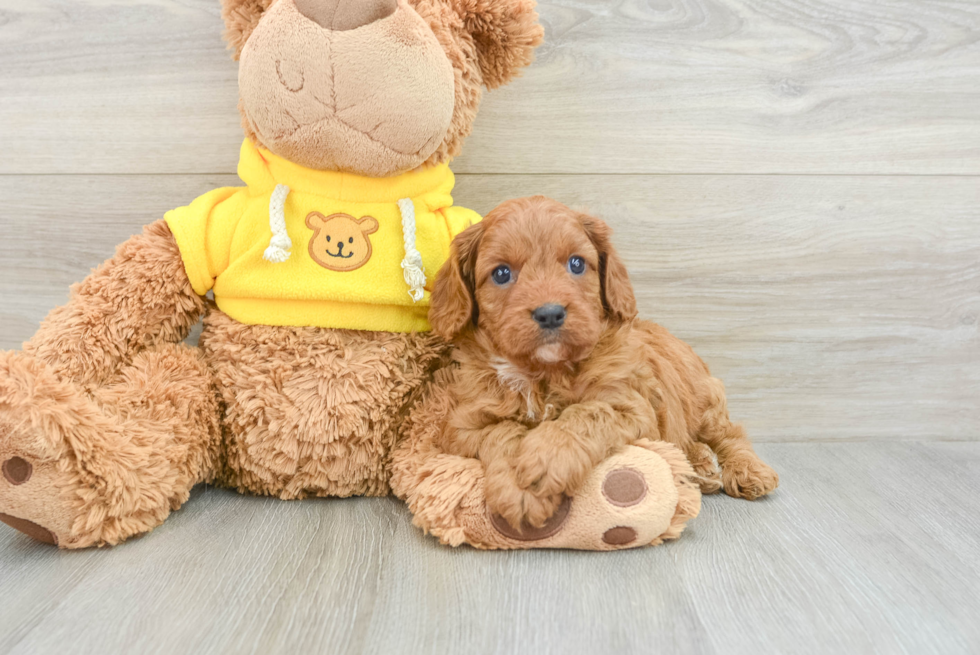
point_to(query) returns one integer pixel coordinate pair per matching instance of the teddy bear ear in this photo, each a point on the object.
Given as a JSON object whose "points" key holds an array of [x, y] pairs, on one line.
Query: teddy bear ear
{"points": [[506, 33], [241, 17]]}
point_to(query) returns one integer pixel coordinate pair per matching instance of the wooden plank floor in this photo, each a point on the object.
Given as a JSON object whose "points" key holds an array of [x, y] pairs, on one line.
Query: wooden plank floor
{"points": [[795, 187], [865, 548]]}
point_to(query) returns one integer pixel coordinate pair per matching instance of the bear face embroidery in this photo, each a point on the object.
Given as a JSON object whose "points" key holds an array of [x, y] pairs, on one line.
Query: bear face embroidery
{"points": [[340, 242]]}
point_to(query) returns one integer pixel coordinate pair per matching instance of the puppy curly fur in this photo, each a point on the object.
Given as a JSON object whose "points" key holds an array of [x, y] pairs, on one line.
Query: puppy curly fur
{"points": [[446, 493], [542, 407]]}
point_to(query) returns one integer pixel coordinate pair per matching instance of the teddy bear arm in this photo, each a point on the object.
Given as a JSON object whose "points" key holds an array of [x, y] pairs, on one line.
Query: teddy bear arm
{"points": [[139, 298]]}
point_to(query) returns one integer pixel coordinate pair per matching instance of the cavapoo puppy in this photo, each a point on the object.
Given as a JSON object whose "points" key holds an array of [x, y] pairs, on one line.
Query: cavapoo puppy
{"points": [[556, 372]]}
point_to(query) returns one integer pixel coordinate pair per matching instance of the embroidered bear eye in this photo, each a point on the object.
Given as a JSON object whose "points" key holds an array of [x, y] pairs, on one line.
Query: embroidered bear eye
{"points": [[501, 275], [576, 265], [328, 238], [350, 240]]}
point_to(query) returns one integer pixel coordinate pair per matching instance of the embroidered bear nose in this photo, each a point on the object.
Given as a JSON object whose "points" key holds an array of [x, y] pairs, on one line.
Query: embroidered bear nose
{"points": [[343, 15], [549, 317]]}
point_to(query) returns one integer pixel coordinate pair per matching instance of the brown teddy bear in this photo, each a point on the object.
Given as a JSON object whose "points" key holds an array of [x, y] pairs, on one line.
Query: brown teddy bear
{"points": [[316, 345]]}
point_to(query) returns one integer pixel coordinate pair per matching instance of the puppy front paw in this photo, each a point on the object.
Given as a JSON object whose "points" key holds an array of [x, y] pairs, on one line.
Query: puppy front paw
{"points": [[520, 508], [747, 476], [548, 470], [539, 508], [504, 497]]}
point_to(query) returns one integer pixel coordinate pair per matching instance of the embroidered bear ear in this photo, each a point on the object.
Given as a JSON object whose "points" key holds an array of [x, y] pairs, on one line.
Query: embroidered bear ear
{"points": [[368, 225], [505, 32], [315, 220], [241, 17]]}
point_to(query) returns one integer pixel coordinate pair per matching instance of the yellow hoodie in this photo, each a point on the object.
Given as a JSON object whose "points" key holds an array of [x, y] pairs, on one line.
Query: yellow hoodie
{"points": [[302, 247]]}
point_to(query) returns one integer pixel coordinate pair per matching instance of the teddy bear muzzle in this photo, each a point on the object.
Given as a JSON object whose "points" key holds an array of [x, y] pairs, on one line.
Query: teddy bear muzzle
{"points": [[342, 15]]}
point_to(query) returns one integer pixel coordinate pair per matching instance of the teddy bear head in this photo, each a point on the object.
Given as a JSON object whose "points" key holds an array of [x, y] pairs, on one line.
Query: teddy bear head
{"points": [[372, 87]]}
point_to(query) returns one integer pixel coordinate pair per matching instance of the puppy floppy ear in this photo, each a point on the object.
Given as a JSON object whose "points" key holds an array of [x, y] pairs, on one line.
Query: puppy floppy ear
{"points": [[454, 296], [506, 33], [241, 17], [617, 292]]}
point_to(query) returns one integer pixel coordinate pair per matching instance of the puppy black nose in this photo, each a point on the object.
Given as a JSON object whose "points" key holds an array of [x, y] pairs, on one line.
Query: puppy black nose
{"points": [[549, 317]]}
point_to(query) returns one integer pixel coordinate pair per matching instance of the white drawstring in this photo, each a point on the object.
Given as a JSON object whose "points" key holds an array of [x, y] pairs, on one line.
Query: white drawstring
{"points": [[279, 245], [412, 264]]}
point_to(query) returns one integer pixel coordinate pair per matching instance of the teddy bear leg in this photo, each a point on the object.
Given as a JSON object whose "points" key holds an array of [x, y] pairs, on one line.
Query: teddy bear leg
{"points": [[643, 495], [85, 469], [309, 411]]}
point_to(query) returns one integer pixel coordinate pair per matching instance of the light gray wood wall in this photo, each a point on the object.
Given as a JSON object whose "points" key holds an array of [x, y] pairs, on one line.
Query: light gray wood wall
{"points": [[795, 186], [620, 86]]}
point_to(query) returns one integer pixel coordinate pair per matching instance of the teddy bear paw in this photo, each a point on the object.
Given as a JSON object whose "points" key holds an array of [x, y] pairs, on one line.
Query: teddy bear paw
{"points": [[32, 481], [631, 499], [30, 499], [17, 472]]}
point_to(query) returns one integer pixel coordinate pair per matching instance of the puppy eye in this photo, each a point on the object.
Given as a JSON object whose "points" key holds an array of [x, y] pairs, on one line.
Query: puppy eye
{"points": [[501, 275], [576, 265]]}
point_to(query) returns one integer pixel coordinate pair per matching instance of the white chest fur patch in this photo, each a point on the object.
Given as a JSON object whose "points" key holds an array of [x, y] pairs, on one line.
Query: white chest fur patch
{"points": [[512, 378], [549, 354]]}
